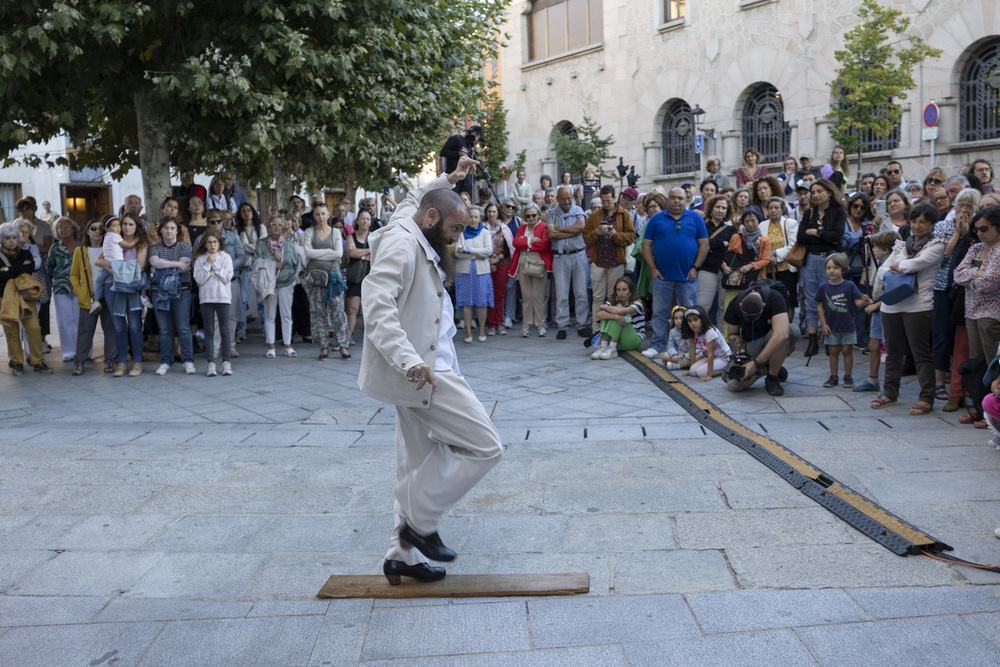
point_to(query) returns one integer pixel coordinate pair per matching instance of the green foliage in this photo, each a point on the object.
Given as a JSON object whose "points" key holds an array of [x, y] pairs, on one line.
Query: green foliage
{"points": [[874, 75], [519, 161], [587, 148], [493, 119], [326, 91]]}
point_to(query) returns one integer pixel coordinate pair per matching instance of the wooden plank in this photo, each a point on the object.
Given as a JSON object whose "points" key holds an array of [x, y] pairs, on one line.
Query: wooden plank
{"points": [[456, 586]]}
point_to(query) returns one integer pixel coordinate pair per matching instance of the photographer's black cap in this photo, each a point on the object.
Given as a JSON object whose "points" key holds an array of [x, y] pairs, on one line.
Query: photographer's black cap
{"points": [[752, 306]]}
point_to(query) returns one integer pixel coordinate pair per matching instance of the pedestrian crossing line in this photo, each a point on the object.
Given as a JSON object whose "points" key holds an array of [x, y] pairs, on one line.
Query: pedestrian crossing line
{"points": [[864, 514]]}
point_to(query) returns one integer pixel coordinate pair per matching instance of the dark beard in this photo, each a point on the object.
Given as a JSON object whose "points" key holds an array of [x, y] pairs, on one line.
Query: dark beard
{"points": [[435, 237]]}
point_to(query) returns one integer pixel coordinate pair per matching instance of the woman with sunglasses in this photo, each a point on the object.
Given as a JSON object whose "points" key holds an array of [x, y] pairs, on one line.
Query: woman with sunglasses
{"points": [[502, 241], [531, 245], [979, 273], [821, 232], [509, 217]]}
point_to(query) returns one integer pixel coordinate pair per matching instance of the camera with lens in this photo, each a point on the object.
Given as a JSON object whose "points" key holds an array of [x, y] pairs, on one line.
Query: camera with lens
{"points": [[736, 369]]}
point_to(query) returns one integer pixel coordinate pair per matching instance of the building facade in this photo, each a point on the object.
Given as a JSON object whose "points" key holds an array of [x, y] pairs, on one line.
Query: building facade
{"points": [[760, 69]]}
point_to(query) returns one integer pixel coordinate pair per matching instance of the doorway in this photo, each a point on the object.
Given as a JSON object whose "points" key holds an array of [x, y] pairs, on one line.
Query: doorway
{"points": [[83, 203]]}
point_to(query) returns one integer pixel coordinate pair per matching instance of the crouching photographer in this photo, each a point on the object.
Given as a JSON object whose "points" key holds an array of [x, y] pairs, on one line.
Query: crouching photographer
{"points": [[766, 338]]}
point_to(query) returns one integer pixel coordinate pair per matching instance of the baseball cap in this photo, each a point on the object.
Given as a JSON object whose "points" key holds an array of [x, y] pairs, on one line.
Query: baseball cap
{"points": [[631, 192], [805, 156], [687, 183]]}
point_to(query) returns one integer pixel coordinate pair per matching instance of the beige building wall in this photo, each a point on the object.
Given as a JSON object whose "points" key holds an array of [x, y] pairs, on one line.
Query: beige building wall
{"points": [[712, 58]]}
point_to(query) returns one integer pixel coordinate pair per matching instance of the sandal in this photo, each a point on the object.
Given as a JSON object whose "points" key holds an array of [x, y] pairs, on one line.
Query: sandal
{"points": [[920, 409], [109, 367], [967, 419], [982, 424], [882, 402], [344, 354], [324, 354], [78, 369], [941, 393]]}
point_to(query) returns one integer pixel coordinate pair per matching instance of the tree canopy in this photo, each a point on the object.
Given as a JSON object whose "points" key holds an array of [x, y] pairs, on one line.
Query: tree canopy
{"points": [[874, 75], [587, 147], [320, 91]]}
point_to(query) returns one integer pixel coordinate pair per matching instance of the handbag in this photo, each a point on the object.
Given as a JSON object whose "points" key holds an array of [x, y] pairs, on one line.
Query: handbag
{"points": [[318, 278], [533, 265], [898, 286], [126, 275], [357, 270], [737, 260], [797, 255]]}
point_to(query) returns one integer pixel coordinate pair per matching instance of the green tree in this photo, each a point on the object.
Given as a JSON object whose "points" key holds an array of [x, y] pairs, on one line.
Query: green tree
{"points": [[586, 148], [493, 119], [874, 75], [317, 91]]}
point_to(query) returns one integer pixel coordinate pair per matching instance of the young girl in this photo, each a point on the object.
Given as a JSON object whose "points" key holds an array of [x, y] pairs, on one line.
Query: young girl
{"points": [[623, 321], [213, 269], [835, 303], [709, 352], [113, 249], [676, 355], [882, 244]]}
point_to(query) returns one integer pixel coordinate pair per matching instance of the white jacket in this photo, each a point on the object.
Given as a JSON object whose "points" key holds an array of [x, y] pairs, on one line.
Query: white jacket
{"points": [[925, 265], [790, 226], [402, 298]]}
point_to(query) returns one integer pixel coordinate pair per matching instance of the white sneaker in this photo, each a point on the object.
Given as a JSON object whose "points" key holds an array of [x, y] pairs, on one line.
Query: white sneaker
{"points": [[189, 368], [482, 339], [596, 354], [525, 331], [609, 353], [163, 369], [227, 368], [672, 366], [651, 353], [507, 323], [501, 331], [233, 352], [95, 307], [146, 303], [490, 332], [542, 331], [211, 371]]}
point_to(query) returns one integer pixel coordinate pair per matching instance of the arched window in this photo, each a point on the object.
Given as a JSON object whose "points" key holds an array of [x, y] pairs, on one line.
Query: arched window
{"points": [[764, 126], [871, 142], [979, 95], [566, 129], [678, 139]]}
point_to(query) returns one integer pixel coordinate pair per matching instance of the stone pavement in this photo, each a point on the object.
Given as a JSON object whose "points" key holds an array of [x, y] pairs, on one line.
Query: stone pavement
{"points": [[184, 520]]}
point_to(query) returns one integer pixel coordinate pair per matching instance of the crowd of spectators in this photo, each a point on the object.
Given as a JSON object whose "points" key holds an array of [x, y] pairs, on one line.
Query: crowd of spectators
{"points": [[574, 256]]}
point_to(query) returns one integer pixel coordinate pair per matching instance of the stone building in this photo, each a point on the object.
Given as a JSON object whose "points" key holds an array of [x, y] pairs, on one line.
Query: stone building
{"points": [[760, 69]]}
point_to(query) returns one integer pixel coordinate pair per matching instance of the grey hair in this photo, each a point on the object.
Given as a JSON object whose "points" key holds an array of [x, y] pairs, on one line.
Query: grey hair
{"points": [[959, 178], [76, 227], [24, 223], [10, 230], [567, 188], [968, 194]]}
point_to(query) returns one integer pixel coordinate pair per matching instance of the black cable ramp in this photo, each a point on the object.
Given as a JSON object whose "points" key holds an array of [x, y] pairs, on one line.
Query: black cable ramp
{"points": [[865, 515]]}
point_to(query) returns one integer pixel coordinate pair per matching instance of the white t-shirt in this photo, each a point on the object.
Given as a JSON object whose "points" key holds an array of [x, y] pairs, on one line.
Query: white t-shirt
{"points": [[722, 350]]}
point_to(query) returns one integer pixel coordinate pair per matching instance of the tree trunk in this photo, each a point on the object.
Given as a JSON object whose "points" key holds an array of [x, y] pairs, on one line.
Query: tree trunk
{"points": [[283, 187], [154, 157]]}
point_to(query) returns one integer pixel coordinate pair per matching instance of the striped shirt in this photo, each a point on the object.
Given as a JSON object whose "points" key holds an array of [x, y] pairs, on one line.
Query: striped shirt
{"points": [[638, 316]]}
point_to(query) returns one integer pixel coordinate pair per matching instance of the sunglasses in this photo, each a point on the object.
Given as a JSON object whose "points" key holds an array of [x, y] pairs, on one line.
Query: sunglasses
{"points": [[983, 230], [531, 216], [508, 206], [933, 180], [94, 229], [893, 171], [215, 221]]}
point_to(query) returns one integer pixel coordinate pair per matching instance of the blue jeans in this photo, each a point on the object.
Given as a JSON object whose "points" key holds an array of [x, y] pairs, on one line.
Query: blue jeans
{"points": [[664, 292], [241, 321], [811, 276], [176, 322], [128, 328]]}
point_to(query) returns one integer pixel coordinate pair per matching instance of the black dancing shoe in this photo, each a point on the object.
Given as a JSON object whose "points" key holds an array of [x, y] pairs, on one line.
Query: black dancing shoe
{"points": [[429, 545], [394, 569]]}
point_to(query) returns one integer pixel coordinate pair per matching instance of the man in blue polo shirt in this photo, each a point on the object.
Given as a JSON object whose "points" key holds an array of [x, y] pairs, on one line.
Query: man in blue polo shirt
{"points": [[674, 246]]}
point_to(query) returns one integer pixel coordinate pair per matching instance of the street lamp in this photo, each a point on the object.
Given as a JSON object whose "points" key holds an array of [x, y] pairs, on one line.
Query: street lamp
{"points": [[698, 115]]}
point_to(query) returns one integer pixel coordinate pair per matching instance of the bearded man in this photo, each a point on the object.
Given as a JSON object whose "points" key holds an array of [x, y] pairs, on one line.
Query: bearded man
{"points": [[445, 441]]}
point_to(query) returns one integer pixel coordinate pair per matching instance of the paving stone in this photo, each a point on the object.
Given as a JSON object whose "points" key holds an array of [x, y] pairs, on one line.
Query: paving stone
{"points": [[929, 459], [769, 492], [112, 532], [94, 499], [592, 656], [922, 641], [677, 571], [669, 432], [948, 521], [122, 609], [212, 533], [446, 630], [634, 498], [987, 624], [713, 468], [289, 608], [311, 533], [889, 603], [552, 471], [813, 404], [86, 574], [342, 634], [491, 534], [900, 488], [199, 576], [23, 611], [716, 530], [239, 500], [602, 533], [768, 610], [252, 641], [604, 620], [833, 566], [300, 576], [982, 551], [579, 450], [758, 648], [96, 644], [21, 533]]}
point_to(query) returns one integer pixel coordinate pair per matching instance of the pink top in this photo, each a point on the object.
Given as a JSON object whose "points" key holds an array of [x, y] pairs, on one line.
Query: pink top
{"points": [[982, 284]]}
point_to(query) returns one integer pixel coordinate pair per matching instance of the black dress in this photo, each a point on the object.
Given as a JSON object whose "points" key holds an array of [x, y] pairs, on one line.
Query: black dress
{"points": [[354, 288]]}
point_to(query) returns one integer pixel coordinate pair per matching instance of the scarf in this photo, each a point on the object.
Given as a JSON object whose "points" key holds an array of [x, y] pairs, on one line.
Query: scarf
{"points": [[913, 247], [753, 239], [472, 232], [277, 247]]}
